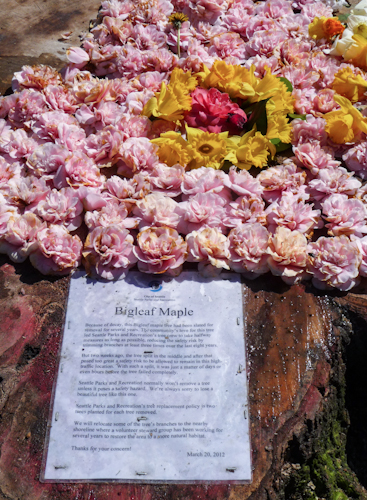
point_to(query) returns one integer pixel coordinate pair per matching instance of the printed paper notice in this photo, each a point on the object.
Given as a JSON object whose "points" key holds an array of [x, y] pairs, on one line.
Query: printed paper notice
{"points": [[152, 382]]}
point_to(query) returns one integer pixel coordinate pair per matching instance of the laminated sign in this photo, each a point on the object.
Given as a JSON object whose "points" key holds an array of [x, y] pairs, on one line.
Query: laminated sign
{"points": [[152, 383]]}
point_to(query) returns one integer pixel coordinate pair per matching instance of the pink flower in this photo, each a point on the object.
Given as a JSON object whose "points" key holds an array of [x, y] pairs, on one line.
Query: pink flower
{"points": [[266, 43], [201, 210], [103, 147], [245, 209], [207, 10], [137, 153], [28, 106], [310, 129], [35, 77], [275, 180], [108, 252], [77, 56], [275, 9], [134, 126], [236, 20], [293, 212], [248, 245], [324, 102], [46, 160], [213, 111], [24, 191], [356, 159], [243, 183], [205, 180], [344, 215], [79, 170], [210, 248], [58, 252], [112, 213], [260, 23], [361, 244], [20, 238], [160, 250], [61, 207], [60, 99], [333, 180], [228, 45], [314, 157], [334, 262], [157, 210], [288, 255], [167, 180]]}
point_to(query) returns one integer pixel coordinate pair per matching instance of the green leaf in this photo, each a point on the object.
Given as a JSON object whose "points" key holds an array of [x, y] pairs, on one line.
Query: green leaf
{"points": [[282, 146], [287, 83], [275, 141], [294, 115], [258, 117], [343, 17]]}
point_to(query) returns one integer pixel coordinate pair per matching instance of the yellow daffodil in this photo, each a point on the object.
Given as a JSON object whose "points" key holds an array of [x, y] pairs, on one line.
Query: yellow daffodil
{"points": [[168, 104], [234, 80], [356, 52], [345, 124], [172, 149], [325, 27], [349, 85], [183, 79], [207, 149], [279, 128], [253, 149], [358, 24]]}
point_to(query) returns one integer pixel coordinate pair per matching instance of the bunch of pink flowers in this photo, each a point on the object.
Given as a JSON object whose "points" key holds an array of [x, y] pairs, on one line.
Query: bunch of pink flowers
{"points": [[81, 181]]}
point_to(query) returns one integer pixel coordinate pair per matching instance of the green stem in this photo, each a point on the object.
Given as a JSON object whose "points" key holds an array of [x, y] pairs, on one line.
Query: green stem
{"points": [[178, 42]]}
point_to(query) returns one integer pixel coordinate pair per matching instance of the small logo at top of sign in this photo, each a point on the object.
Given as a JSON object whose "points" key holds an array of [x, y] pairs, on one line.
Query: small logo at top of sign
{"points": [[155, 286]]}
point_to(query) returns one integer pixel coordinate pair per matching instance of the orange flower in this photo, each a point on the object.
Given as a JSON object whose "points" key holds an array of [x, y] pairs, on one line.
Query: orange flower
{"points": [[325, 27]]}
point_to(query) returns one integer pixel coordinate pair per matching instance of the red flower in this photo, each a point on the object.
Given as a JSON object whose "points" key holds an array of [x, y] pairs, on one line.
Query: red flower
{"points": [[213, 111]]}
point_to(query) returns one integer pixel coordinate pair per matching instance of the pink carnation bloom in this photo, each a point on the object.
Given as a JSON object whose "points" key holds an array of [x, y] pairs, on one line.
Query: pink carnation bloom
{"points": [[260, 23], [315, 157], [334, 262], [128, 189], [361, 243], [207, 10], [116, 8], [303, 100], [70, 136], [331, 181], [274, 9], [103, 147], [46, 125], [288, 255], [356, 159], [24, 191], [28, 106], [60, 98], [134, 126], [266, 43], [308, 130], [213, 111], [286, 177], [108, 252], [161, 60], [324, 102], [61, 207], [6, 212], [157, 210], [46, 160], [205, 180], [243, 183], [152, 80], [137, 153], [210, 248], [245, 209], [293, 212], [344, 215], [79, 170], [35, 77], [20, 238], [160, 250], [167, 180], [316, 9], [112, 213], [148, 37], [248, 245], [228, 45], [236, 20], [58, 252], [263, 64], [77, 56], [294, 51], [201, 210]]}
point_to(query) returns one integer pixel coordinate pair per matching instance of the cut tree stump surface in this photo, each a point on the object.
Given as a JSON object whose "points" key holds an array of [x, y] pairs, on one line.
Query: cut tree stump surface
{"points": [[294, 340]]}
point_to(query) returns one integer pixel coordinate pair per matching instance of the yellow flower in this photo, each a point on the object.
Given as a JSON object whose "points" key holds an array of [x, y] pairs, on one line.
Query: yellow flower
{"points": [[347, 84], [253, 150], [345, 124], [356, 52], [183, 79], [324, 27], [207, 150], [169, 103], [234, 80], [177, 18], [279, 128], [172, 149]]}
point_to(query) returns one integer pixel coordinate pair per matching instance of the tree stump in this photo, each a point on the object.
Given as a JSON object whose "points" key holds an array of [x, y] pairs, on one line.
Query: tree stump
{"points": [[306, 357]]}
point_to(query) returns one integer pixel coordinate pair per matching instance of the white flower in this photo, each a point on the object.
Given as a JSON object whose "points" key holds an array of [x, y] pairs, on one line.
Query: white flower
{"points": [[358, 24], [360, 9], [341, 45]]}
